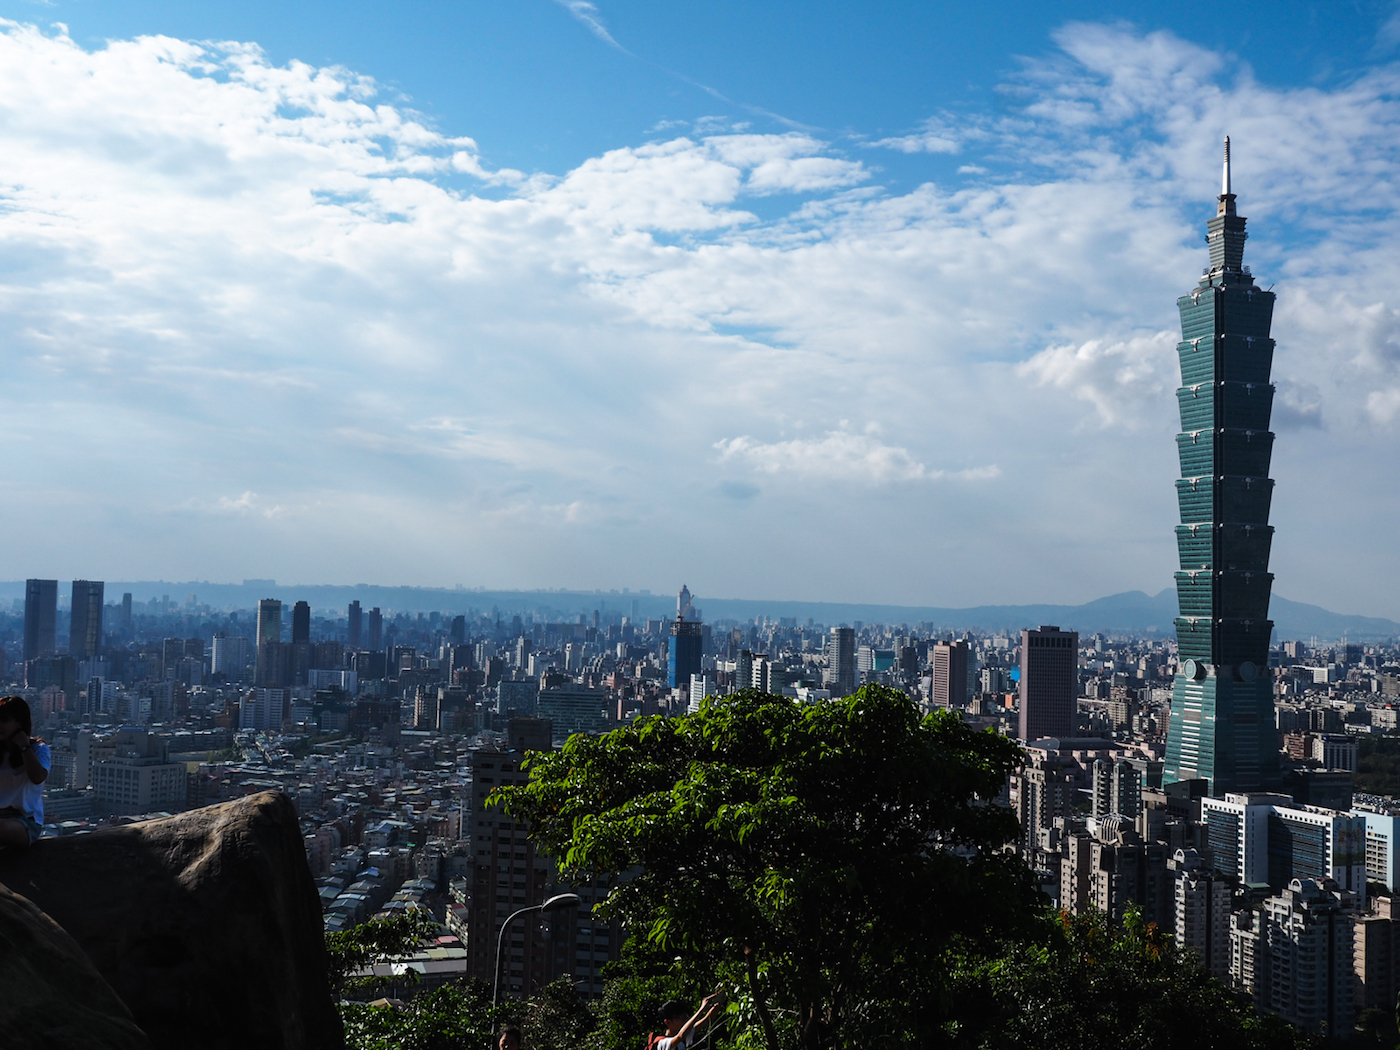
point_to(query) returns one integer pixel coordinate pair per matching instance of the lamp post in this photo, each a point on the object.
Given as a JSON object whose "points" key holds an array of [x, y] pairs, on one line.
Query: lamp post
{"points": [[555, 903]]}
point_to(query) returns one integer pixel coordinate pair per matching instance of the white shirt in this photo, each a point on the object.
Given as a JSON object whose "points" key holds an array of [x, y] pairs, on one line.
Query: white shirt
{"points": [[673, 1042], [18, 791]]}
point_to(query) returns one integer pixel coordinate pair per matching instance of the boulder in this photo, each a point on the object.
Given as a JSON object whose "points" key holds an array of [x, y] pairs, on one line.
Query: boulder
{"points": [[206, 924], [54, 998]]}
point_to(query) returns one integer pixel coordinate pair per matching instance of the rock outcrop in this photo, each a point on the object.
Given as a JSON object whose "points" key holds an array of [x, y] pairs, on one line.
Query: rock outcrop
{"points": [[206, 924], [54, 998]]}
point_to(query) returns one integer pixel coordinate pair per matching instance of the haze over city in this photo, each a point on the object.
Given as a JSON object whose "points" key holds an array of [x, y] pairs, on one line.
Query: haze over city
{"points": [[811, 302]]}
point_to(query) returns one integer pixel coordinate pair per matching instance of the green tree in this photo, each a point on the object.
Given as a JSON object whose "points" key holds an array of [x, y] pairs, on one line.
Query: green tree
{"points": [[1083, 983], [452, 1017], [823, 858], [379, 940], [558, 1018], [635, 988]]}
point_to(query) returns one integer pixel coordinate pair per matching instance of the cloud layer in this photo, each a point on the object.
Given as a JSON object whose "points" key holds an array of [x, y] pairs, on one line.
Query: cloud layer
{"points": [[258, 321]]}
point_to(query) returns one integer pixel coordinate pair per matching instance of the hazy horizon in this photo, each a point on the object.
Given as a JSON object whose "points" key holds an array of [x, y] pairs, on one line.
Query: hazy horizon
{"points": [[842, 303]]}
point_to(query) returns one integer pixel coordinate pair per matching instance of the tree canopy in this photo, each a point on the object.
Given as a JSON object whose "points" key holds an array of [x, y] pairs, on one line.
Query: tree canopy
{"points": [[822, 858]]}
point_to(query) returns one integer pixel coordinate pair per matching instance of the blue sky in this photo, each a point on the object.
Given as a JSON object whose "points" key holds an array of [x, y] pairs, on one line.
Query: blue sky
{"points": [[803, 301]]}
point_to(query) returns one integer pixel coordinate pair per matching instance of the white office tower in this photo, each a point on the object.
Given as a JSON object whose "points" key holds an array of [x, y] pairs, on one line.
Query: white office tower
{"points": [[701, 686], [1202, 911], [262, 709], [1268, 838], [1382, 846], [743, 670], [230, 656], [768, 676]]}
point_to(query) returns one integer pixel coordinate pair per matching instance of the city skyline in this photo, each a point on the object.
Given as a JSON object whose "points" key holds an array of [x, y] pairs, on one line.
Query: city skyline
{"points": [[296, 323]]}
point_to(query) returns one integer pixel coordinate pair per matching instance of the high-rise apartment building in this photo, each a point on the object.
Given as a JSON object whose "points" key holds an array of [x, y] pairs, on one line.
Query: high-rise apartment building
{"points": [[1222, 724], [1294, 956], [507, 875], [1203, 898], [269, 627], [301, 623], [85, 623], [40, 618], [271, 659], [1118, 788], [1049, 682], [262, 709], [949, 661], [1042, 791], [743, 669], [355, 624], [376, 630], [229, 657], [299, 654], [1376, 956], [1112, 870], [840, 676]]}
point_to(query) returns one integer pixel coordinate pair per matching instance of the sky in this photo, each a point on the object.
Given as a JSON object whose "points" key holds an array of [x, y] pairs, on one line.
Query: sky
{"points": [[817, 301]]}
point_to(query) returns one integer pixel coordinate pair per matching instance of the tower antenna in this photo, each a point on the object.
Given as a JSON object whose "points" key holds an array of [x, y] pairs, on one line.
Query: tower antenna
{"points": [[1225, 174]]}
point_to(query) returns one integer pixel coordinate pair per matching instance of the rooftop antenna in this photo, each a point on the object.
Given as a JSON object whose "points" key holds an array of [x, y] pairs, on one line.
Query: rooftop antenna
{"points": [[1225, 174]]}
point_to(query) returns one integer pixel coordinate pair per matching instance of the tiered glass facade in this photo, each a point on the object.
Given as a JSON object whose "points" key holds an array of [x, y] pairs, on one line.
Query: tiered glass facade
{"points": [[1222, 724]]}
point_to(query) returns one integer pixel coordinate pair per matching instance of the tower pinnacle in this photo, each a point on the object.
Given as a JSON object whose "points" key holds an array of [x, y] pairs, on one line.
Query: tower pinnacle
{"points": [[1222, 724], [1227, 196]]}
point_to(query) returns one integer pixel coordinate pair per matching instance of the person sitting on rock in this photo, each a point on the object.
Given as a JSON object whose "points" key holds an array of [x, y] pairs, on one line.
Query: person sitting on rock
{"points": [[24, 766]]}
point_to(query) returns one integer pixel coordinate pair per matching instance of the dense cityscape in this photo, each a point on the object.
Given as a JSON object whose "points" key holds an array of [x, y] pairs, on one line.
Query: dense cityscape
{"points": [[390, 727]]}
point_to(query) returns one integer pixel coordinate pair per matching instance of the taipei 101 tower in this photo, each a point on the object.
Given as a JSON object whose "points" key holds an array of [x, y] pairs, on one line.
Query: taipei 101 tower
{"points": [[1222, 718]]}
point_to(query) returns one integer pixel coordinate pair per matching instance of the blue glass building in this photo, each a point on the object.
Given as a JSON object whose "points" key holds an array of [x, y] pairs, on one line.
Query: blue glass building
{"points": [[1222, 724], [684, 649]]}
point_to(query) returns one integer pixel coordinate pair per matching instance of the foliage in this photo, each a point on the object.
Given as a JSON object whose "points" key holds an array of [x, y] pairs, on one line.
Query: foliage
{"points": [[1086, 984], [1376, 1030], [453, 1017], [557, 1018], [826, 856], [636, 986], [379, 940], [1378, 765]]}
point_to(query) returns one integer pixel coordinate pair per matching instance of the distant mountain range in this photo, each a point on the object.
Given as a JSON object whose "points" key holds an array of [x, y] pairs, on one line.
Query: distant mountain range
{"points": [[1130, 612]]}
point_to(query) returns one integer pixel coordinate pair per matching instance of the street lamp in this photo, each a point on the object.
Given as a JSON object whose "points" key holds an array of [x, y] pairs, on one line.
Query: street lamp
{"points": [[555, 903]]}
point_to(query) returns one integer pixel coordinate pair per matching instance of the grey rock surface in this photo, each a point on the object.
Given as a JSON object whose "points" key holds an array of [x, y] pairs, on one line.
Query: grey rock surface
{"points": [[206, 924], [54, 997]]}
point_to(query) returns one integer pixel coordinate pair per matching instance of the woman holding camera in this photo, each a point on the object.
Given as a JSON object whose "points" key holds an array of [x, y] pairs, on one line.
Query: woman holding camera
{"points": [[24, 766]]}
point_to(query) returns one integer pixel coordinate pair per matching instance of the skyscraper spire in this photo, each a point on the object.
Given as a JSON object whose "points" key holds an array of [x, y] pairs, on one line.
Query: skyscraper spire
{"points": [[1222, 714]]}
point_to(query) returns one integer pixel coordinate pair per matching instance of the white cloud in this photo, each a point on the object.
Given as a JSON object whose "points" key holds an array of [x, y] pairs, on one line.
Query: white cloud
{"points": [[840, 455], [1117, 378], [936, 136], [247, 503], [1384, 405], [589, 15], [222, 277]]}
